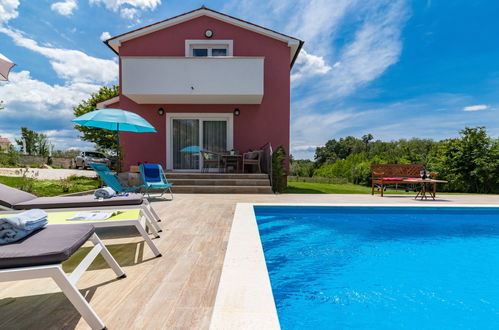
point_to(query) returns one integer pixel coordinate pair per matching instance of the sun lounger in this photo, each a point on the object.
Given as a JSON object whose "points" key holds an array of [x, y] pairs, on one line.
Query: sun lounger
{"points": [[41, 255], [112, 180], [130, 217], [15, 199]]}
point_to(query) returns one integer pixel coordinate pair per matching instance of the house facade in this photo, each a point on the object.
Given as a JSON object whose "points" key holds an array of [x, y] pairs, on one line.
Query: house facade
{"points": [[203, 79], [4, 144]]}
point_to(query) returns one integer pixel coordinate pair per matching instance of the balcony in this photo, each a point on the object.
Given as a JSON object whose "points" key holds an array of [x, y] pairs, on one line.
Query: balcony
{"points": [[193, 80]]}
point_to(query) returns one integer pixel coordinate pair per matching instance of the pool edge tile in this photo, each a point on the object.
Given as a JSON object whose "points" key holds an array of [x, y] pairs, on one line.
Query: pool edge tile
{"points": [[244, 299]]}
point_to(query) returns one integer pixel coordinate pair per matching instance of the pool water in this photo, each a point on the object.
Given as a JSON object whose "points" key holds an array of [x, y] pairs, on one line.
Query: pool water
{"points": [[382, 267]]}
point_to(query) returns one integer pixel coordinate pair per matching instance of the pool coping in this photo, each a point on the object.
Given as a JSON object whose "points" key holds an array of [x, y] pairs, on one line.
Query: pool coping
{"points": [[244, 298]]}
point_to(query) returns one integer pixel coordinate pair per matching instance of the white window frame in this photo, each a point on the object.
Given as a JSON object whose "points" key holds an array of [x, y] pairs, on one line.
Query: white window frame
{"points": [[229, 117], [189, 44]]}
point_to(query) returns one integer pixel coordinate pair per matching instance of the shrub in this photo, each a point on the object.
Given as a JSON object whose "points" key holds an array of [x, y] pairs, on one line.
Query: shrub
{"points": [[278, 172], [27, 179]]}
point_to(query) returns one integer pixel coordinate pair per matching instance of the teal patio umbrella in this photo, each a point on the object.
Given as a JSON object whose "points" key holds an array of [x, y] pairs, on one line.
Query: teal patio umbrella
{"points": [[192, 149], [115, 120]]}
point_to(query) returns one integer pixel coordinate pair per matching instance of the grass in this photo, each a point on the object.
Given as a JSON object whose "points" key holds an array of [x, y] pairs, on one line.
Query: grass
{"points": [[347, 188], [328, 188], [48, 188], [336, 188]]}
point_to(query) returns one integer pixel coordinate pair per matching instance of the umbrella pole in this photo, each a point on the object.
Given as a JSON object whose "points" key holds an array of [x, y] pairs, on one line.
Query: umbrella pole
{"points": [[118, 153]]}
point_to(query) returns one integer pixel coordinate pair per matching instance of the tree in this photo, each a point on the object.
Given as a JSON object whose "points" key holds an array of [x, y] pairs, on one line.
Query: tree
{"points": [[28, 141], [1, 105], [301, 167], [338, 149], [470, 162], [35, 143], [366, 139], [104, 140], [43, 145]]}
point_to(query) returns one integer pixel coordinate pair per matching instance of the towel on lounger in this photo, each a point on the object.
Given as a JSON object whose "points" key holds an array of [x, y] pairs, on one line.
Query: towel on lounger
{"points": [[106, 192], [18, 226]]}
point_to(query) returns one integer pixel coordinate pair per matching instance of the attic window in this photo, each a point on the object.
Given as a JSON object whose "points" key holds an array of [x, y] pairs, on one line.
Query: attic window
{"points": [[208, 48], [202, 50]]}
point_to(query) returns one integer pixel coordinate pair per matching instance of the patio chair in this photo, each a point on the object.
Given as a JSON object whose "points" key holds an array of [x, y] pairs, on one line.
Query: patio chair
{"points": [[252, 158], [211, 160], [112, 180], [15, 199], [41, 254], [154, 178]]}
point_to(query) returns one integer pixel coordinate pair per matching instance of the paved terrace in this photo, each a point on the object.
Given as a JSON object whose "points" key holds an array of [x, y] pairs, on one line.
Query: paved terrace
{"points": [[177, 290]]}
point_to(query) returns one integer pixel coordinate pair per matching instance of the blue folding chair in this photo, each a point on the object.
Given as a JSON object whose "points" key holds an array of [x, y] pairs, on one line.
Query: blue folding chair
{"points": [[112, 180], [154, 178]]}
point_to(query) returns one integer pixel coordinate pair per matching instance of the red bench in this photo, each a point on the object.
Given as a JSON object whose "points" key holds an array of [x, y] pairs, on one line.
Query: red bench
{"points": [[382, 174]]}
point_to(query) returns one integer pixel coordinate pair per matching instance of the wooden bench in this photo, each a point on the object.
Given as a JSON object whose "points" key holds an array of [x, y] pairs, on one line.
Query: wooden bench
{"points": [[383, 174]]}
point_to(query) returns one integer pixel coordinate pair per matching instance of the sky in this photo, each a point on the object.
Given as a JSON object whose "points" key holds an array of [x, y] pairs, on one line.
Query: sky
{"points": [[392, 68]]}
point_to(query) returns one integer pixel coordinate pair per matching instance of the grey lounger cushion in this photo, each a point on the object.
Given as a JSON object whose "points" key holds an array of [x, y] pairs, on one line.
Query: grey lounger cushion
{"points": [[50, 245], [77, 201], [11, 196]]}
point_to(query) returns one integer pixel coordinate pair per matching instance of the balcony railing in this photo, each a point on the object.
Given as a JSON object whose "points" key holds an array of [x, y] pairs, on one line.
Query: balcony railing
{"points": [[193, 80]]}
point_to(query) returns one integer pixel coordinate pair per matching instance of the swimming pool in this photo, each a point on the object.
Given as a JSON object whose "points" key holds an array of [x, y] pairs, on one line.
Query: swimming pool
{"points": [[382, 267]]}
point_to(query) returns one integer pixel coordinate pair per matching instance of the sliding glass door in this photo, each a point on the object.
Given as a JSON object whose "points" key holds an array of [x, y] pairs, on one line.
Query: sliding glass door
{"points": [[185, 144], [215, 135], [189, 136]]}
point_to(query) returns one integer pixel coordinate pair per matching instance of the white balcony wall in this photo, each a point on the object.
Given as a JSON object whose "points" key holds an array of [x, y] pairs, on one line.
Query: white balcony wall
{"points": [[193, 80]]}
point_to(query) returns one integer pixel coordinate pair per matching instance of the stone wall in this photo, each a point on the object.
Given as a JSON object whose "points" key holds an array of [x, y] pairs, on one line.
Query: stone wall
{"points": [[58, 161]]}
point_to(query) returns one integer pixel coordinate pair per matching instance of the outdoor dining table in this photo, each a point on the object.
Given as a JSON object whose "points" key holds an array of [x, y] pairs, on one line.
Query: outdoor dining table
{"points": [[424, 187], [232, 160]]}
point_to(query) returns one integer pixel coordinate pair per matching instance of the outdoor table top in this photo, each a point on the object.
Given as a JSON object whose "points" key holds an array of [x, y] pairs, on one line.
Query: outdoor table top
{"points": [[228, 155]]}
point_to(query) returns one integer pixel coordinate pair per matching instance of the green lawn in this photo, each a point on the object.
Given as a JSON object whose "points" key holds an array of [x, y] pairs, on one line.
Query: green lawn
{"points": [[51, 187], [346, 188], [334, 188]]}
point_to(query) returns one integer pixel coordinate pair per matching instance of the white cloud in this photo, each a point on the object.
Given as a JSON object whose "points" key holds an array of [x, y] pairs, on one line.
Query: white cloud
{"points": [[477, 107], [128, 9], [319, 21], [8, 10], [128, 13], [64, 8], [72, 65], [104, 36], [42, 107], [361, 38], [308, 65], [376, 46]]}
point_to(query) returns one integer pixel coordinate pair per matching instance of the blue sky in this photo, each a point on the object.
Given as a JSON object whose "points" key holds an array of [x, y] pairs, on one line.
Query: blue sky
{"points": [[392, 68]]}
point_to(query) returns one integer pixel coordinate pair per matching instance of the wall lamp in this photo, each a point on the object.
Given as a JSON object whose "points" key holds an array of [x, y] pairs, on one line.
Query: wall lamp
{"points": [[237, 112], [161, 111]]}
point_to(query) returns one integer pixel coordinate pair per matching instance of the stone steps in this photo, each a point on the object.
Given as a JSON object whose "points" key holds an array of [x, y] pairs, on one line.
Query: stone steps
{"points": [[190, 175], [221, 183], [222, 189]]}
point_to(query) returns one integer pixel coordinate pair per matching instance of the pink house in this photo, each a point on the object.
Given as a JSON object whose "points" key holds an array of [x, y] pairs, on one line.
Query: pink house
{"points": [[204, 79]]}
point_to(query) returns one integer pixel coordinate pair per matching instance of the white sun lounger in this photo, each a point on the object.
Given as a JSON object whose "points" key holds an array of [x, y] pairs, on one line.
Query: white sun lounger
{"points": [[15, 199], [41, 254], [127, 217]]}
